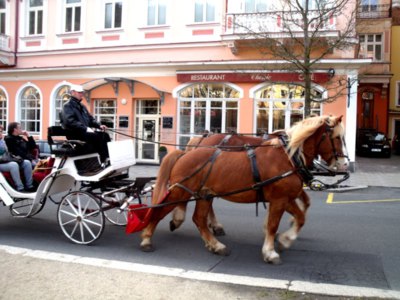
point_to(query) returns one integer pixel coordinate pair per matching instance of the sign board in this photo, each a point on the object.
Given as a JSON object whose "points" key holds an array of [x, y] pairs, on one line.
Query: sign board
{"points": [[251, 77], [167, 122], [122, 153]]}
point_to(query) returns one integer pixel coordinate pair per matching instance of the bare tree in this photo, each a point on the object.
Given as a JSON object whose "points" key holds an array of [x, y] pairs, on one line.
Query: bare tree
{"points": [[302, 33]]}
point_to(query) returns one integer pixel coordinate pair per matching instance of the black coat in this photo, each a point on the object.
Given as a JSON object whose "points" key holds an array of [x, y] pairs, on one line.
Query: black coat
{"points": [[19, 146], [76, 118]]}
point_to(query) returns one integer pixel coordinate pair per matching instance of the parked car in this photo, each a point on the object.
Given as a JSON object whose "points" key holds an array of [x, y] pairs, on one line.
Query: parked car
{"points": [[44, 149], [371, 142]]}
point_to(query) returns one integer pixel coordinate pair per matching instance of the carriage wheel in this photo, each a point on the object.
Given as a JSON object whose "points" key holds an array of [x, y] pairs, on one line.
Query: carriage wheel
{"points": [[22, 208], [80, 217], [116, 215]]}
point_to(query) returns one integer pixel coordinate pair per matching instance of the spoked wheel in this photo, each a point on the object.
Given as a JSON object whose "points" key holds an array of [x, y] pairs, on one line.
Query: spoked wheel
{"points": [[23, 208], [116, 215], [80, 217]]}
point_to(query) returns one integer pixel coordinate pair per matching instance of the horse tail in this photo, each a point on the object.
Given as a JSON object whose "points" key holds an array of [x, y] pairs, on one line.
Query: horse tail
{"points": [[164, 172]]}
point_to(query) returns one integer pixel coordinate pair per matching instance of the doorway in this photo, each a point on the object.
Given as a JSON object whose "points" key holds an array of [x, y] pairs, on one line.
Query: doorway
{"points": [[147, 130]]}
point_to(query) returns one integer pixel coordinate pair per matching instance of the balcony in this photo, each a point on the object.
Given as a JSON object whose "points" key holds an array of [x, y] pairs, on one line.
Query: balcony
{"points": [[374, 11], [277, 23]]}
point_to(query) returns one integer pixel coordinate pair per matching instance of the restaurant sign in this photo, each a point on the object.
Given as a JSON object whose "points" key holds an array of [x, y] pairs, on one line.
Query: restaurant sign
{"points": [[251, 77]]}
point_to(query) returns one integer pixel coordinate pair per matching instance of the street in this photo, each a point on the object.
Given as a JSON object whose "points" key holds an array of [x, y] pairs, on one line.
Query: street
{"points": [[349, 238]]}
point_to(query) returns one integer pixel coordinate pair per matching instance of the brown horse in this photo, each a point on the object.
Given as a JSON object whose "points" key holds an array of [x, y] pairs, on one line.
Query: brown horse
{"points": [[229, 142], [207, 172]]}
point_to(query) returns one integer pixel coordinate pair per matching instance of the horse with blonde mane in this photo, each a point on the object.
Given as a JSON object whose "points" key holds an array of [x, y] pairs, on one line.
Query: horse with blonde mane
{"points": [[206, 173]]}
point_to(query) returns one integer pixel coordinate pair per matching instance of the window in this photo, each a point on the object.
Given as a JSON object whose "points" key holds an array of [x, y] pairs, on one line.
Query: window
{"points": [[279, 106], [212, 107], [371, 46], [2, 16], [156, 12], [204, 11], [113, 14], [369, 5], [3, 108], [254, 6], [105, 112], [72, 15], [62, 96], [35, 17], [398, 93], [30, 110]]}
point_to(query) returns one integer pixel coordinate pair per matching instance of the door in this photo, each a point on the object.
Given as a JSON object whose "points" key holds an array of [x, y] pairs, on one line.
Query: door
{"points": [[149, 128]]}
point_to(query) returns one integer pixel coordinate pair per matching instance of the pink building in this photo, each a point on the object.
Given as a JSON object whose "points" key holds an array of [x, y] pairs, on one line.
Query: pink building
{"points": [[161, 70]]}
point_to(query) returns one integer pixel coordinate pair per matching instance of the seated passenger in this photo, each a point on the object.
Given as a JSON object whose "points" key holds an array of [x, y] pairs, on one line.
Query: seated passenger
{"points": [[20, 143], [79, 123], [14, 169]]}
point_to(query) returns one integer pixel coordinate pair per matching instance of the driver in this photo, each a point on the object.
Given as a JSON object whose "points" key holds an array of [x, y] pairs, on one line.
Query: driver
{"points": [[79, 123]]}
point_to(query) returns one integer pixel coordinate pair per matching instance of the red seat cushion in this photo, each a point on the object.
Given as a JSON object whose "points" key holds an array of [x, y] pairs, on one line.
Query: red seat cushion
{"points": [[42, 169]]}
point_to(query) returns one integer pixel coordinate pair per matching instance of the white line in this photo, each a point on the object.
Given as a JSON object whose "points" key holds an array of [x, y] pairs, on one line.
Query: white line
{"points": [[295, 286]]}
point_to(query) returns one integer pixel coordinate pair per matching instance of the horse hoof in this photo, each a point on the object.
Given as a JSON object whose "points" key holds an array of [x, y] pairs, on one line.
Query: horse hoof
{"points": [[172, 226], [224, 252], [219, 231], [275, 261], [147, 248]]}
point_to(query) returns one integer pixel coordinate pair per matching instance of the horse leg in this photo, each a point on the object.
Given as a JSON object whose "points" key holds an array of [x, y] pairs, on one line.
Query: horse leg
{"points": [[287, 238], [158, 214], [200, 219], [271, 224], [216, 227], [178, 216], [303, 202]]}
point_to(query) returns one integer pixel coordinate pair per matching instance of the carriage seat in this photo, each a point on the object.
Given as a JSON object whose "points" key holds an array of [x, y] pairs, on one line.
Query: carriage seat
{"points": [[60, 145]]}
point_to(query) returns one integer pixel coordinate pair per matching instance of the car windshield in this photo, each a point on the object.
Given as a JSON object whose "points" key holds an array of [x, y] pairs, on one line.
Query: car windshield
{"points": [[377, 136]]}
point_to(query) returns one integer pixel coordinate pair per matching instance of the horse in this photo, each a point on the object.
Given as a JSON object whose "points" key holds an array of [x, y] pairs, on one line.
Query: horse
{"points": [[230, 142], [205, 173]]}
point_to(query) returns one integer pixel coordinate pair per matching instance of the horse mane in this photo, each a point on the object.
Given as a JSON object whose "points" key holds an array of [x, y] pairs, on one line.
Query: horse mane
{"points": [[299, 132]]}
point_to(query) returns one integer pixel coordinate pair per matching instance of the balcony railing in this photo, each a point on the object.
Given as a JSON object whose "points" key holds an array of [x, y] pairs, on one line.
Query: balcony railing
{"points": [[374, 11], [274, 22], [4, 42]]}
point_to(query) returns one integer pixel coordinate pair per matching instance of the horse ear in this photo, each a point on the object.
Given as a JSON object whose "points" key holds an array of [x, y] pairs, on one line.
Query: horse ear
{"points": [[339, 119]]}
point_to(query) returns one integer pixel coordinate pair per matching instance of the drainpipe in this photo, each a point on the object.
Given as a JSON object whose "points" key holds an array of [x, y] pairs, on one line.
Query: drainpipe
{"points": [[16, 37]]}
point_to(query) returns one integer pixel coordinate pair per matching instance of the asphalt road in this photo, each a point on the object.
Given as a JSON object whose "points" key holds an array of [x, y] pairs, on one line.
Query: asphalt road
{"points": [[352, 240]]}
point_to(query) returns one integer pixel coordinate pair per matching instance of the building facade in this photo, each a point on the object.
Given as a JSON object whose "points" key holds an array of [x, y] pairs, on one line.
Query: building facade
{"points": [[163, 70]]}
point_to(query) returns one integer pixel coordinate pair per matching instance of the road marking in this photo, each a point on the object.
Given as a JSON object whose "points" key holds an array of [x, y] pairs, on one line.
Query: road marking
{"points": [[295, 285], [329, 200]]}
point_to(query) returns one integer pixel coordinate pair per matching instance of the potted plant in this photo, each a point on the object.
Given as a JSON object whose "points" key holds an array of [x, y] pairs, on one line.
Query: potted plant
{"points": [[162, 151]]}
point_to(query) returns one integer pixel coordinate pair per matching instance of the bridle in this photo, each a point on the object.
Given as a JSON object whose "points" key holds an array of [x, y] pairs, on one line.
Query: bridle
{"points": [[335, 153]]}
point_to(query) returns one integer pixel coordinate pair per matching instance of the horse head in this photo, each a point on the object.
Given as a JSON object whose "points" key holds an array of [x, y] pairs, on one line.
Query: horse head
{"points": [[323, 136]]}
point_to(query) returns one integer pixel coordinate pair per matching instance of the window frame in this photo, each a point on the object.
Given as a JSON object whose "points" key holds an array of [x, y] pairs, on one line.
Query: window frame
{"points": [[204, 15], [36, 10], [3, 107], [158, 4], [73, 7], [397, 102], [98, 114], [4, 19], [204, 103], [363, 52], [113, 14], [37, 110]]}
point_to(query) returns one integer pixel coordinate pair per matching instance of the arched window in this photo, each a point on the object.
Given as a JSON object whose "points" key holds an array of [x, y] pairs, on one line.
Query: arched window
{"points": [[30, 110], [3, 108], [206, 107], [279, 106], [62, 96]]}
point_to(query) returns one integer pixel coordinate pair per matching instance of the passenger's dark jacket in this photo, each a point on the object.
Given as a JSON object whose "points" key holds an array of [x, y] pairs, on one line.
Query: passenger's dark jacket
{"points": [[19, 146], [76, 118]]}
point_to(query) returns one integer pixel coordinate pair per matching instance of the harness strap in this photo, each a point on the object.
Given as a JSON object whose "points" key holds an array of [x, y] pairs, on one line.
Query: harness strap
{"points": [[225, 140], [257, 178]]}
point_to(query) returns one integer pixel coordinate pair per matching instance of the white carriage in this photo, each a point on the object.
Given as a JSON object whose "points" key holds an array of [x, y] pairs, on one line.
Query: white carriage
{"points": [[86, 192]]}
